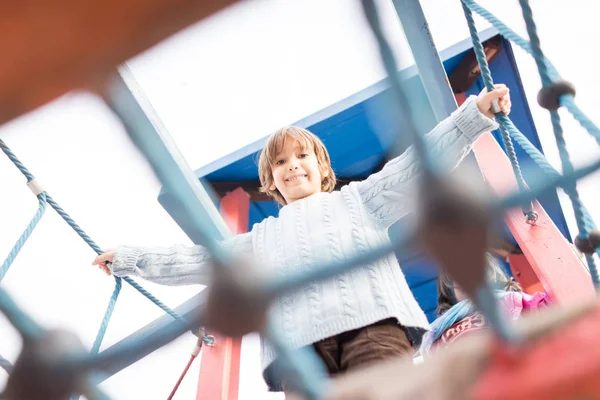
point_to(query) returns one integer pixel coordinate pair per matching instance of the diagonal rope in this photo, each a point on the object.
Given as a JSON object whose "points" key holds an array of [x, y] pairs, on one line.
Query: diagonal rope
{"points": [[543, 163], [46, 198], [6, 365], [567, 101], [567, 165], [502, 119], [24, 236]]}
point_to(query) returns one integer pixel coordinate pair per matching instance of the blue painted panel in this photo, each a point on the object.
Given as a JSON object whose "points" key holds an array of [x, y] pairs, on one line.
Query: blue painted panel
{"points": [[426, 296], [360, 129]]}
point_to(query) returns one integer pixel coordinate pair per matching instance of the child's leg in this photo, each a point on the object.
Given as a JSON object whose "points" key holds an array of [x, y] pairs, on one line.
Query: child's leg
{"points": [[374, 343], [328, 350]]}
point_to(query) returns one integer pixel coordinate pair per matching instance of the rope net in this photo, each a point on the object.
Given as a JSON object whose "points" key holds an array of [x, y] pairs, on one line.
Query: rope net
{"points": [[302, 369]]}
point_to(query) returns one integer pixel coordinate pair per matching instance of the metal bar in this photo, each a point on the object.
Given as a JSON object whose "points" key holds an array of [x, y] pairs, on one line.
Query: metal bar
{"points": [[428, 61], [186, 310], [121, 98], [125, 97]]}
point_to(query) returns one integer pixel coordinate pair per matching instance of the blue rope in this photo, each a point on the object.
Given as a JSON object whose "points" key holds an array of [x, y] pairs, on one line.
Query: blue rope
{"points": [[98, 250], [488, 305], [301, 367], [543, 187], [27, 327], [566, 101], [543, 163], [506, 32], [46, 198], [571, 189], [502, 119], [21, 242], [6, 365], [428, 164], [107, 316], [16, 161]]}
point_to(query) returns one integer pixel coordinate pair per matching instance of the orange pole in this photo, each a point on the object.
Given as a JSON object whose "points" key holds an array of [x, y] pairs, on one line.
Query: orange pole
{"points": [[220, 364]]}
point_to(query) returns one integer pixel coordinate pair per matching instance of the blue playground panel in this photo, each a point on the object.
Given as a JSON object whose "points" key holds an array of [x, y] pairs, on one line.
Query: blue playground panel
{"points": [[358, 143]]}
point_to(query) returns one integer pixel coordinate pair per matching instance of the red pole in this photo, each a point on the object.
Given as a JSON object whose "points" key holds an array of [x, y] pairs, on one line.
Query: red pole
{"points": [[220, 364], [549, 261]]}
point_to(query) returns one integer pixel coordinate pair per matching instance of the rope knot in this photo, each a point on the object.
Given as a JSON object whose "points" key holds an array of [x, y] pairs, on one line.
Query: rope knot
{"points": [[589, 244], [549, 96]]}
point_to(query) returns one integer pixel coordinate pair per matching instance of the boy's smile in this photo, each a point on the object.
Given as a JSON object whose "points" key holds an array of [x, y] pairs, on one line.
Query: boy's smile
{"points": [[296, 172], [296, 178]]}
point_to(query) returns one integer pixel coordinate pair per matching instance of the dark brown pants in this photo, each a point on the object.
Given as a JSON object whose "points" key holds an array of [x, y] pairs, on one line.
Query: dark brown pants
{"points": [[349, 350]]}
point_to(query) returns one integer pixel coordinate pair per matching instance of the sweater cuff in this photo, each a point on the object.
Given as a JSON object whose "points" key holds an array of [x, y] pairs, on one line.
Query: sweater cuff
{"points": [[470, 121], [125, 260]]}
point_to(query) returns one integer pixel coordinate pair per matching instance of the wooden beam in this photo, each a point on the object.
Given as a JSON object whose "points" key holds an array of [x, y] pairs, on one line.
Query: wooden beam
{"points": [[52, 47]]}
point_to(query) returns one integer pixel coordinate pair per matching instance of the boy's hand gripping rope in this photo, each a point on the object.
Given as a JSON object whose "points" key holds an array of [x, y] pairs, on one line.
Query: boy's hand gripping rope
{"points": [[530, 215], [44, 199], [561, 92]]}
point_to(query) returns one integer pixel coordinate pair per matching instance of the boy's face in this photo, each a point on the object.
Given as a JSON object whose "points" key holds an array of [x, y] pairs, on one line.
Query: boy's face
{"points": [[296, 172]]}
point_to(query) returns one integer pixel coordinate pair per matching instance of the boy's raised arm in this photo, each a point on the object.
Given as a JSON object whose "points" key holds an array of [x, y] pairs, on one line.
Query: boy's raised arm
{"points": [[389, 194], [175, 265]]}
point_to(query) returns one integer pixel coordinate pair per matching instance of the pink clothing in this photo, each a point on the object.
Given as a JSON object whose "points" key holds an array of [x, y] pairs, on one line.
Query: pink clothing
{"points": [[514, 303]]}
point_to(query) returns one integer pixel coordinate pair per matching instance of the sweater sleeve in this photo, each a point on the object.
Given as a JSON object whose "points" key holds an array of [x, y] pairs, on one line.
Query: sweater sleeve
{"points": [[389, 194], [175, 265]]}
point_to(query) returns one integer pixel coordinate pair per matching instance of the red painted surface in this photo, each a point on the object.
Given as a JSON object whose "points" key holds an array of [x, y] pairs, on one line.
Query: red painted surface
{"points": [[565, 364], [562, 365], [521, 270], [220, 364], [548, 255]]}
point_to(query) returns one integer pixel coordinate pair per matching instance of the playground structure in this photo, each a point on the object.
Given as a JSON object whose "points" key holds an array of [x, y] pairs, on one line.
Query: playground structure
{"points": [[60, 374]]}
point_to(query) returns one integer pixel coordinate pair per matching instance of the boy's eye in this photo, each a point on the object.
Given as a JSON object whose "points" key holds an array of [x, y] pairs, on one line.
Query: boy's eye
{"points": [[303, 155], [279, 162]]}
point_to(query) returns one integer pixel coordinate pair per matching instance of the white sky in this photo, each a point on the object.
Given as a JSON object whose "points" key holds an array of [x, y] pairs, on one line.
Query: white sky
{"points": [[219, 86]]}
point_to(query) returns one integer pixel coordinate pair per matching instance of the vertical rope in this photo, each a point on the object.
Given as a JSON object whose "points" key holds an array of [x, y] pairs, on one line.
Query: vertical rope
{"points": [[24, 236], [6, 365], [428, 164], [567, 165], [107, 316], [502, 119], [44, 199], [566, 101]]}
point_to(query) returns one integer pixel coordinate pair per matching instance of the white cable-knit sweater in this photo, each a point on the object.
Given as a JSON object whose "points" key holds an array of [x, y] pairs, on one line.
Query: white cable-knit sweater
{"points": [[322, 228]]}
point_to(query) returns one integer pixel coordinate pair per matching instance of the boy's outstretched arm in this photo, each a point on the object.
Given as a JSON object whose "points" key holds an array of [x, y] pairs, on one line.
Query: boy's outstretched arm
{"points": [[389, 194], [175, 265]]}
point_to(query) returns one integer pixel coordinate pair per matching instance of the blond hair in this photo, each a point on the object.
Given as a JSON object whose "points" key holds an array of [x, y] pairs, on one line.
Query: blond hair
{"points": [[495, 275], [307, 140]]}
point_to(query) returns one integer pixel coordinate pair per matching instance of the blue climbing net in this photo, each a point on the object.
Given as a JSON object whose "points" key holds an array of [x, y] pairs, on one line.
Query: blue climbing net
{"points": [[302, 367]]}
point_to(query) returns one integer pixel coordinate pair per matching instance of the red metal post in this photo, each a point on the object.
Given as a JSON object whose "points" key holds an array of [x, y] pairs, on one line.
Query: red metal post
{"points": [[549, 257], [220, 364]]}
